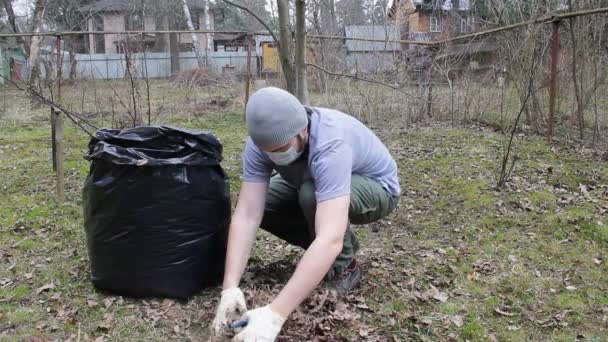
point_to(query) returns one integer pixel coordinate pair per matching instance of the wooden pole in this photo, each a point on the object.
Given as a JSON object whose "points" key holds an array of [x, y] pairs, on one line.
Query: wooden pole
{"points": [[248, 77], [59, 153], [553, 76], [57, 123], [53, 147]]}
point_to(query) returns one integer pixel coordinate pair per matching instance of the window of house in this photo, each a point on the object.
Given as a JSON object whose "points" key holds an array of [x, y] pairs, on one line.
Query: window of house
{"points": [[195, 17], [134, 22], [231, 48], [436, 24], [466, 25], [100, 44]]}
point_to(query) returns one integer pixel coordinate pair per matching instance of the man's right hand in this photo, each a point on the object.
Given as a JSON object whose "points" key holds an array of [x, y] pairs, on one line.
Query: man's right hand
{"points": [[232, 306]]}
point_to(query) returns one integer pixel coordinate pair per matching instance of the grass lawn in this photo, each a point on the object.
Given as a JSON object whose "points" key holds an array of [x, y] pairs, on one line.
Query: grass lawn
{"points": [[457, 261]]}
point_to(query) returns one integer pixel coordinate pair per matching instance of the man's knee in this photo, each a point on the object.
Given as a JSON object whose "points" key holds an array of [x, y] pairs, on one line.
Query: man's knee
{"points": [[307, 199]]}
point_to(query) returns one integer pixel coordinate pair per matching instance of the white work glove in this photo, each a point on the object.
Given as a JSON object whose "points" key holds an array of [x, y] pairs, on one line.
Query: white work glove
{"points": [[231, 308], [263, 325]]}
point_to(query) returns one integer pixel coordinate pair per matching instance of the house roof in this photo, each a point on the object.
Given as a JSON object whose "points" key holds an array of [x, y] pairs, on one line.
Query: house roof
{"points": [[446, 5], [374, 32], [129, 5]]}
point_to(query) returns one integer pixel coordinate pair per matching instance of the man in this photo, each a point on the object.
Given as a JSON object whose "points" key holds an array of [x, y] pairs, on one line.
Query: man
{"points": [[331, 170]]}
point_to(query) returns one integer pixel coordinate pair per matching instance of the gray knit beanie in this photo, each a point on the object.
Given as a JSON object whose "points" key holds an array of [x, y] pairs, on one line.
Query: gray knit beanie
{"points": [[274, 116]]}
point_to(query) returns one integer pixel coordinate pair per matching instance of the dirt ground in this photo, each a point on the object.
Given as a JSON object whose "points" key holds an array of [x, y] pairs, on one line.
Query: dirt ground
{"points": [[458, 260]]}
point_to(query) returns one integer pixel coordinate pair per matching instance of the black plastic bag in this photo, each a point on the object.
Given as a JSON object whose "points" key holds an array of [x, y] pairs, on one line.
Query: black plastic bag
{"points": [[156, 211]]}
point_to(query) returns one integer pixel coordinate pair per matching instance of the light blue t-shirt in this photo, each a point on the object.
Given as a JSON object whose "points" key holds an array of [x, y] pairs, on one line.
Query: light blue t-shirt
{"points": [[339, 146]]}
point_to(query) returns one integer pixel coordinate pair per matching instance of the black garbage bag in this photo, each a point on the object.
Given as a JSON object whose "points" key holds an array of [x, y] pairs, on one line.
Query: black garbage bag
{"points": [[156, 211]]}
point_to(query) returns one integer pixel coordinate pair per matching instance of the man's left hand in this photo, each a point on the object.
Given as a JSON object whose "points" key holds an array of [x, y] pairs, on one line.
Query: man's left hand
{"points": [[263, 324]]}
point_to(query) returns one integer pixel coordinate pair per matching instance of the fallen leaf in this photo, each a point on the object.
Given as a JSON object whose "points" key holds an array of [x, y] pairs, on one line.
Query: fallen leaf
{"points": [[504, 313], [473, 276], [91, 303], [176, 329], [40, 325], [562, 315], [45, 288], [571, 288], [104, 326], [28, 276], [108, 302], [441, 296], [513, 327], [426, 320], [597, 261], [457, 320], [363, 332]]}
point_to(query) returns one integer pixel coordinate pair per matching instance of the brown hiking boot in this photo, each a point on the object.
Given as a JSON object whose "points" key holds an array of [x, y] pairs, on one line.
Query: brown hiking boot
{"points": [[349, 278]]}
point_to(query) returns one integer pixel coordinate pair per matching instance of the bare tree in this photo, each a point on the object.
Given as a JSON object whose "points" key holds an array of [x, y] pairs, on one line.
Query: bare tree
{"points": [[8, 7], [197, 46], [300, 58], [34, 57]]}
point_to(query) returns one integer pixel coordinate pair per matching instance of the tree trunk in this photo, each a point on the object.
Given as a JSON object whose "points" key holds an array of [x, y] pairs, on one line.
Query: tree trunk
{"points": [[173, 49], [207, 26], [285, 45], [197, 46], [34, 57], [301, 81], [8, 6], [579, 103]]}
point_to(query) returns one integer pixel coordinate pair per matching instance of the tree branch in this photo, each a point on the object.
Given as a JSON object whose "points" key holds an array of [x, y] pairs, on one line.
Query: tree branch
{"points": [[365, 80], [246, 9]]}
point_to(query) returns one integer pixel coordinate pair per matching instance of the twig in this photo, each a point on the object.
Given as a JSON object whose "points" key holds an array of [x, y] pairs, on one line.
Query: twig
{"points": [[365, 80], [504, 175], [71, 115]]}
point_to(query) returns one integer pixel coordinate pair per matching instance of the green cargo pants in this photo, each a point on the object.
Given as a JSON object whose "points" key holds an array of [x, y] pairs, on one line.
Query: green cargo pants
{"points": [[290, 213]]}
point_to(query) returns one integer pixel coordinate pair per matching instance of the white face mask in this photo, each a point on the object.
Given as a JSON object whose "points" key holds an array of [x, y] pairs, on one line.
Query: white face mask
{"points": [[286, 157]]}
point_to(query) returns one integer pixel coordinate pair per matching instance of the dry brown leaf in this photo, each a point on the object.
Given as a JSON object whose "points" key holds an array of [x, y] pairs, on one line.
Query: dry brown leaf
{"points": [[457, 320], [473, 276], [504, 313], [104, 326], [45, 288], [562, 315], [108, 302], [441, 296]]}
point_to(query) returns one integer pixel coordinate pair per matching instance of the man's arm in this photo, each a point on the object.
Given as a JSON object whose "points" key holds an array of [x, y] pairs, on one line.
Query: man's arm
{"points": [[330, 226], [245, 221]]}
